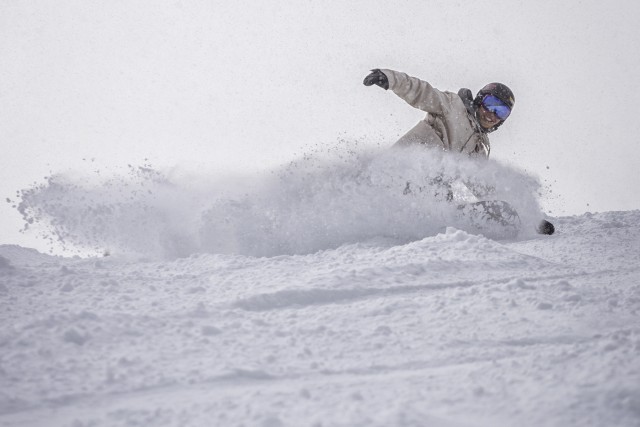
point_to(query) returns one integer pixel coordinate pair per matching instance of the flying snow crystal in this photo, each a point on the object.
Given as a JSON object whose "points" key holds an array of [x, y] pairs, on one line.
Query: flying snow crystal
{"points": [[320, 201]]}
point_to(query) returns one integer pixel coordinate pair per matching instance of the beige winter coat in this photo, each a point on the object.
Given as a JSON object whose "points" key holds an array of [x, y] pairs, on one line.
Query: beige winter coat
{"points": [[448, 124]]}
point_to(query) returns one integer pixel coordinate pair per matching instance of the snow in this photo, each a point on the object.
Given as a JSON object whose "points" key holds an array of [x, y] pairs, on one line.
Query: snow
{"points": [[329, 197], [351, 327]]}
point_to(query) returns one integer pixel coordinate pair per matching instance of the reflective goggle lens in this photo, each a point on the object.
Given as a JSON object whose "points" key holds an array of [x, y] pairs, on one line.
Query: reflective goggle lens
{"points": [[496, 106]]}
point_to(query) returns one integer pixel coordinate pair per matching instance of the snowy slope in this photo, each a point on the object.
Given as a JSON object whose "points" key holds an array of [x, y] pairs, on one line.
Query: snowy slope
{"points": [[450, 330]]}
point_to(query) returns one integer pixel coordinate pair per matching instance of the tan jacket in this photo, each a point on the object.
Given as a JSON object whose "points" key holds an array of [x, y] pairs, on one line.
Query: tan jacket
{"points": [[447, 124]]}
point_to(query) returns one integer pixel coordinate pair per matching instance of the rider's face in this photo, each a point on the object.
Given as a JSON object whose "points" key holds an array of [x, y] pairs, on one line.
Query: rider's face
{"points": [[486, 118]]}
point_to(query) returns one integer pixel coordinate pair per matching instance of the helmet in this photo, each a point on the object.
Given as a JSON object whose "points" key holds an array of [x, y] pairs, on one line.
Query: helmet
{"points": [[498, 90]]}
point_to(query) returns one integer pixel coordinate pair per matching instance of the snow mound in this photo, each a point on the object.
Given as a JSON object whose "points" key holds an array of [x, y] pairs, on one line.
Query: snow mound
{"points": [[452, 329], [321, 201]]}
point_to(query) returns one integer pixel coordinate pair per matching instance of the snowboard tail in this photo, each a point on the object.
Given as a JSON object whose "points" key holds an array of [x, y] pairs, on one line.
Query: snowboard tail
{"points": [[494, 216]]}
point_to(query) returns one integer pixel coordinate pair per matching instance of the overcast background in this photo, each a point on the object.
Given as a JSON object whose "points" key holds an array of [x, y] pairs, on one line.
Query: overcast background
{"points": [[246, 85]]}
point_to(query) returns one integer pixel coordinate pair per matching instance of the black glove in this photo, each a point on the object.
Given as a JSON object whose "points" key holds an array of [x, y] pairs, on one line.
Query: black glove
{"points": [[377, 77]]}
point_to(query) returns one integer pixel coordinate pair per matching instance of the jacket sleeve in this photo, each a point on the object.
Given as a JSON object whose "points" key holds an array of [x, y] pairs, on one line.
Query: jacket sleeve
{"points": [[417, 93]]}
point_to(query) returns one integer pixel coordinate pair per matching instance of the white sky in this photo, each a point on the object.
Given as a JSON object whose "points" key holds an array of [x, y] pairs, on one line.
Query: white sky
{"points": [[250, 84]]}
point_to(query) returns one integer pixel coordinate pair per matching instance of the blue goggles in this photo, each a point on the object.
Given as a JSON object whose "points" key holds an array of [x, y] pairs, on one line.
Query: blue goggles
{"points": [[496, 106]]}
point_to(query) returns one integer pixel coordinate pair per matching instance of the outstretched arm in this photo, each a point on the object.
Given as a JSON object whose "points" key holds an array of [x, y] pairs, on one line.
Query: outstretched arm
{"points": [[415, 92]]}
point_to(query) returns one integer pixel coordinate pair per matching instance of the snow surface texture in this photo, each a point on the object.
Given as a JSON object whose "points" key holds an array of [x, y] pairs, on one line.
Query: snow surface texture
{"points": [[376, 328]]}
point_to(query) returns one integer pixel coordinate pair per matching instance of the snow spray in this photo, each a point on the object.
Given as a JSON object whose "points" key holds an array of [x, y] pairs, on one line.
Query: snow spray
{"points": [[320, 201]]}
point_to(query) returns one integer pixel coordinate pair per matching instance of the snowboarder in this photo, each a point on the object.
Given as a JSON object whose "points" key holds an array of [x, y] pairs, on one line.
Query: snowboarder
{"points": [[454, 122]]}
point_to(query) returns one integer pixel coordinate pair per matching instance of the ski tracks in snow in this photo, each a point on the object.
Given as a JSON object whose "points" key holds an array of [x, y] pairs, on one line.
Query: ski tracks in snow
{"points": [[452, 330]]}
